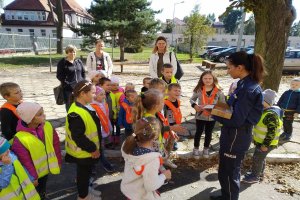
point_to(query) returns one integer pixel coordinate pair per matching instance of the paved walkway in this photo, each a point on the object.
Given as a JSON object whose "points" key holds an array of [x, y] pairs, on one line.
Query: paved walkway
{"points": [[37, 85]]}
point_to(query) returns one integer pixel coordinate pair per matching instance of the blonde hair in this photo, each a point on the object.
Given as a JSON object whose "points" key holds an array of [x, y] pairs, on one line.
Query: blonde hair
{"points": [[70, 48], [5, 88]]}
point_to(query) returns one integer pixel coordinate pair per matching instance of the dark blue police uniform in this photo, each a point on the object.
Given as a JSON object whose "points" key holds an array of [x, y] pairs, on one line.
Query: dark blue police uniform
{"points": [[236, 134]]}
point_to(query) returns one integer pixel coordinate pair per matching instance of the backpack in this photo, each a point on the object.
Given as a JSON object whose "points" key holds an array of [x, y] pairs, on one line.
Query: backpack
{"points": [[179, 73]]}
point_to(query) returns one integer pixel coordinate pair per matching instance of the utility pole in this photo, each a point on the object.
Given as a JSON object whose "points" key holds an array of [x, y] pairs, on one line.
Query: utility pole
{"points": [[241, 32]]}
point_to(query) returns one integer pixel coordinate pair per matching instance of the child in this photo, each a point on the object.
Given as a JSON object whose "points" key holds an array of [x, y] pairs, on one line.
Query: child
{"points": [[14, 180], [95, 76], [110, 99], [141, 176], [207, 92], [37, 145], [125, 116], [12, 93], [146, 82], [83, 138], [167, 74], [129, 86], [265, 135], [290, 103], [102, 111], [118, 93]]}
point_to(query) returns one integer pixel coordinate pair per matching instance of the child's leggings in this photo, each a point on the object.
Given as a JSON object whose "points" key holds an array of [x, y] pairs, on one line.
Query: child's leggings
{"points": [[202, 125]]}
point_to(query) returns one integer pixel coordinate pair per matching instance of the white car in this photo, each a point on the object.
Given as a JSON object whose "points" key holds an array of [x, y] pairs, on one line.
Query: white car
{"points": [[292, 61]]}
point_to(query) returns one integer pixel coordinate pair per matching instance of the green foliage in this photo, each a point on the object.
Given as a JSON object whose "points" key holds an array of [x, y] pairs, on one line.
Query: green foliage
{"points": [[168, 28], [249, 26], [211, 18], [132, 21], [197, 30], [295, 29], [231, 20]]}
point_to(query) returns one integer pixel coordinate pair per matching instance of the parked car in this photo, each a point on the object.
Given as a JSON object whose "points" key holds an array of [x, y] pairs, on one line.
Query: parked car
{"points": [[221, 55], [204, 50], [292, 61], [209, 52]]}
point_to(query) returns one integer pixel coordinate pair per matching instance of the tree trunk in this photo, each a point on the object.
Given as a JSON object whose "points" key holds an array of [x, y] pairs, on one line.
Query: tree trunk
{"points": [[122, 46], [59, 26], [273, 20], [191, 46]]}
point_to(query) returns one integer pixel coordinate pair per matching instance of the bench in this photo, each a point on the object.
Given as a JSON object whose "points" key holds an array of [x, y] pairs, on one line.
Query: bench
{"points": [[209, 64]]}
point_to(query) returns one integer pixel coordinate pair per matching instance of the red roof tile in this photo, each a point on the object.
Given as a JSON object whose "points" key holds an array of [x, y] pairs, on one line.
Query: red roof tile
{"points": [[28, 5]]}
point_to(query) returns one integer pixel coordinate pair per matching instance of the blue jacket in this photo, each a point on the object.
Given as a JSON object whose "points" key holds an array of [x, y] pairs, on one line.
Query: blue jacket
{"points": [[6, 171], [247, 104], [290, 100], [122, 116]]}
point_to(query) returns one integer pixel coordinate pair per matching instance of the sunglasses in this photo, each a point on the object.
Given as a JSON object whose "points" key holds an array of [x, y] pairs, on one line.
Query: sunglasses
{"points": [[85, 85]]}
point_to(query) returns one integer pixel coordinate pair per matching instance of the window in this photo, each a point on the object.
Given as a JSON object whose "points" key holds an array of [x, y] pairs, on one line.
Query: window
{"points": [[43, 32], [179, 40], [233, 40], [31, 32], [20, 30], [26, 17], [54, 33], [213, 39], [8, 30]]}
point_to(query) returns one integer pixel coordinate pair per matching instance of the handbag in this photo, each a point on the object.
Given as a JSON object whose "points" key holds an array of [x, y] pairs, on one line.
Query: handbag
{"points": [[179, 73], [59, 95]]}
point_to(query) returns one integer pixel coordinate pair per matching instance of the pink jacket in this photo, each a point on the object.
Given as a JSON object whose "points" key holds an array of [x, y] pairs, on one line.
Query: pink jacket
{"points": [[24, 155]]}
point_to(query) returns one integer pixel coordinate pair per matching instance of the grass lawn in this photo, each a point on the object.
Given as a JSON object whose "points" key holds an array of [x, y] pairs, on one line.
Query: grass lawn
{"points": [[43, 59]]}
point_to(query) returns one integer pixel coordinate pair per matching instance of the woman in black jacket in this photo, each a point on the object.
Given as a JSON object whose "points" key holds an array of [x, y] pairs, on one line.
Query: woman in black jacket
{"points": [[69, 72]]}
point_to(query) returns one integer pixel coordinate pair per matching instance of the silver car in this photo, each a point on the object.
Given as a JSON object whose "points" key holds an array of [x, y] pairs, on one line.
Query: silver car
{"points": [[292, 61]]}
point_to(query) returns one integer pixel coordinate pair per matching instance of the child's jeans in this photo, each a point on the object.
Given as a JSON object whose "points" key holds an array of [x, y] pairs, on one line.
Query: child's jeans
{"points": [[103, 159], [259, 160], [288, 120]]}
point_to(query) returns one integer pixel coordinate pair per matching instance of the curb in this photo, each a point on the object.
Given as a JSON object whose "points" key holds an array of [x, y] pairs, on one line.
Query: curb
{"points": [[271, 158]]}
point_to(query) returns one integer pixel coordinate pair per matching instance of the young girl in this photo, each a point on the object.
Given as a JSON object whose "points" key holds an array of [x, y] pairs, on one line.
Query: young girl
{"points": [[102, 111], [207, 92], [37, 145], [141, 176], [83, 138], [95, 76]]}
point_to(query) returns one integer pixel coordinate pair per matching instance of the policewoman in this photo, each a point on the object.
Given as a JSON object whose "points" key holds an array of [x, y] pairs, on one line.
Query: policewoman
{"points": [[236, 133], [83, 138]]}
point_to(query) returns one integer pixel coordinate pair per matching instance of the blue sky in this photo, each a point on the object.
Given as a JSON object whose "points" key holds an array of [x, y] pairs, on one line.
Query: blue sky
{"points": [[183, 9]]}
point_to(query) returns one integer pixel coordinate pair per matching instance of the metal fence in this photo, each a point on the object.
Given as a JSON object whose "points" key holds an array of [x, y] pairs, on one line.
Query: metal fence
{"points": [[14, 43]]}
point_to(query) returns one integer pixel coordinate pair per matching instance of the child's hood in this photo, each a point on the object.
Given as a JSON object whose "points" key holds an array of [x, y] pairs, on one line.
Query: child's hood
{"points": [[136, 161], [22, 126]]}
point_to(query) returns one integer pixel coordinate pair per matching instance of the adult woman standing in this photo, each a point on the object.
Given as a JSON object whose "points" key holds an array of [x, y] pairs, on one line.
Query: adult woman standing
{"points": [[160, 55], [99, 60], [236, 133], [69, 72]]}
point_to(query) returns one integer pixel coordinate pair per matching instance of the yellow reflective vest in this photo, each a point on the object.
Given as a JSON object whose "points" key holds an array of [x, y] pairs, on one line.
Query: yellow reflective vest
{"points": [[114, 105], [20, 186], [44, 160], [91, 133], [173, 80], [260, 131]]}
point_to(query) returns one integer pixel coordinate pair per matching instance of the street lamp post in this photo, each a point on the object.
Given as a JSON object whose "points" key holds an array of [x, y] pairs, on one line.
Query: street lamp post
{"points": [[173, 24]]}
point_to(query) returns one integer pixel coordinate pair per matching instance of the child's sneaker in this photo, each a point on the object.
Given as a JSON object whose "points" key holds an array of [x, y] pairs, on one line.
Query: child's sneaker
{"points": [[196, 153], [251, 178], [205, 153], [94, 191], [169, 163], [92, 196]]}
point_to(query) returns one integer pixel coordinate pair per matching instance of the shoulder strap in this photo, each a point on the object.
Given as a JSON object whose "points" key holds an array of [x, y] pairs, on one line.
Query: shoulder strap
{"points": [[170, 55]]}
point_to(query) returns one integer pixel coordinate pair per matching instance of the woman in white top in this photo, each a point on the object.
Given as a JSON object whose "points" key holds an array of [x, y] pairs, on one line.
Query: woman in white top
{"points": [[160, 55], [99, 60]]}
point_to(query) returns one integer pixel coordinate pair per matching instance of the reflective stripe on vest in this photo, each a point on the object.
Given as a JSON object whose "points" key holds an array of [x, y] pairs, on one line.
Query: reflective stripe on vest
{"points": [[19, 185], [260, 131], [104, 119], [208, 100], [128, 110], [45, 158], [91, 133], [176, 111]]}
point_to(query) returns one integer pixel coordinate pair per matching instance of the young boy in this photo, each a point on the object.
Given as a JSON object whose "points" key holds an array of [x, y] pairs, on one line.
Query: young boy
{"points": [[266, 136], [289, 102], [167, 72], [129, 86], [14, 180], [125, 116], [105, 83], [9, 117], [146, 82]]}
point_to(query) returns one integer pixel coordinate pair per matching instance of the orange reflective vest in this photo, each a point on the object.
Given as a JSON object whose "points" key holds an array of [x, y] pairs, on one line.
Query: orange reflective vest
{"points": [[128, 110], [208, 100], [11, 108], [176, 111], [165, 123], [104, 120]]}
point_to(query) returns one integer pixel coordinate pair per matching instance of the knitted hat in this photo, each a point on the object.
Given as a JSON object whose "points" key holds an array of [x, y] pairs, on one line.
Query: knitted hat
{"points": [[93, 73], [27, 111], [99, 90], [269, 96], [4, 145], [114, 79]]}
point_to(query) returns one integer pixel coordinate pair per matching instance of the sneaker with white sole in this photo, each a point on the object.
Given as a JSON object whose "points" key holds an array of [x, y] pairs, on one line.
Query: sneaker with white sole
{"points": [[91, 196], [205, 153], [94, 191], [169, 163], [196, 153]]}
